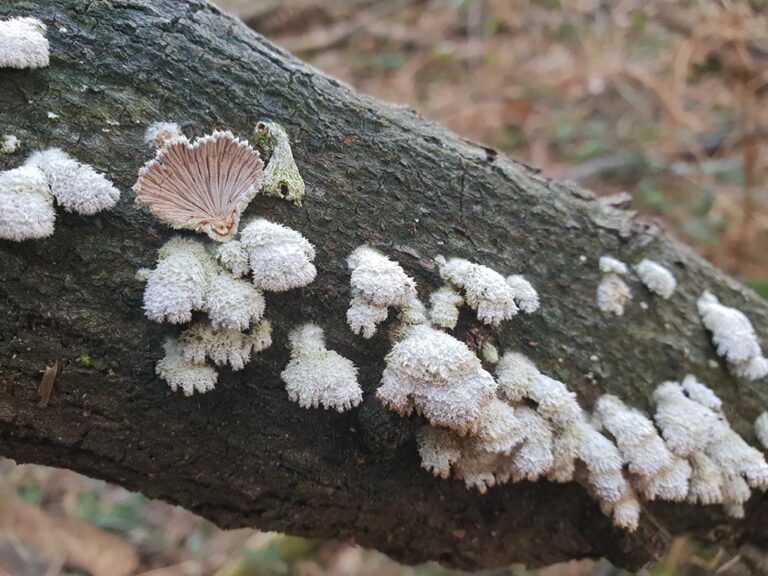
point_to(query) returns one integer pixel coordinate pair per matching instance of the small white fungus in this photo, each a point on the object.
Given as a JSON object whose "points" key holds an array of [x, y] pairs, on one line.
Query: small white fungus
{"points": [[489, 352], [686, 425], [611, 265], [177, 286], [485, 290], [280, 257], [437, 375], [445, 303], [26, 204], [232, 256], [612, 292], [526, 297], [516, 375], [701, 393], [377, 283], [9, 144], [232, 302], [159, 134], [724, 466], [224, 345], [656, 278], [734, 337], [23, 43], [706, 480], [182, 374], [439, 449], [316, 376], [661, 474], [761, 429], [77, 187]]}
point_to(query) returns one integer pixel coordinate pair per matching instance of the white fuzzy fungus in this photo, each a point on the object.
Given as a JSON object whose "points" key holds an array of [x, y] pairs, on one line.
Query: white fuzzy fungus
{"points": [[280, 257], [612, 292], [8, 144], [233, 256], [611, 265], [489, 353], [445, 303], [224, 345], [23, 43], [660, 473], [377, 283], [706, 485], [77, 187], [734, 337], [178, 284], [537, 431], [604, 471], [656, 278], [485, 290], [438, 376], [316, 376], [183, 374], [761, 429], [187, 278], [232, 302], [526, 297], [686, 425], [724, 466], [439, 450], [701, 393], [26, 204], [159, 134], [516, 374]]}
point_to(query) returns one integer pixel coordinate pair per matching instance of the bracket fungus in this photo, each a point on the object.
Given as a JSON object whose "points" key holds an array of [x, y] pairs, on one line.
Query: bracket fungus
{"points": [[542, 433], [734, 337], [26, 205], [234, 257], [377, 283], [280, 257], [23, 43], [232, 302], [177, 285], [445, 303], [281, 176], [493, 297], [316, 376], [438, 376], [724, 466], [158, 134], [182, 374], [660, 474], [612, 292], [27, 194], [77, 187], [201, 186], [224, 345], [656, 278], [761, 429]]}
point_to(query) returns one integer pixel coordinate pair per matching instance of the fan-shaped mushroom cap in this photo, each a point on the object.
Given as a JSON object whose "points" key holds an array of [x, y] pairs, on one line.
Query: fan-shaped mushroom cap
{"points": [[201, 186]]}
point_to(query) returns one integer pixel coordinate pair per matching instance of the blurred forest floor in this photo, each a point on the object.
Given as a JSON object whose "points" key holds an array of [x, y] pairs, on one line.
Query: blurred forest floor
{"points": [[662, 103]]}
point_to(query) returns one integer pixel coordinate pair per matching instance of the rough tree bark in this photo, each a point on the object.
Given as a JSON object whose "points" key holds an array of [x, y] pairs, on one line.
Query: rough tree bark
{"points": [[376, 173]]}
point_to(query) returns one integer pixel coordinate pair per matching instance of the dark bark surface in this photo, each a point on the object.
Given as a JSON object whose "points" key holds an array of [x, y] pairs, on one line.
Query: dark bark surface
{"points": [[375, 173]]}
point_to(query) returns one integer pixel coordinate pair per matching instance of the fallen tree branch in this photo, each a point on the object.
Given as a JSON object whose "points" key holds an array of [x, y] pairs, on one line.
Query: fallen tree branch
{"points": [[244, 455]]}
